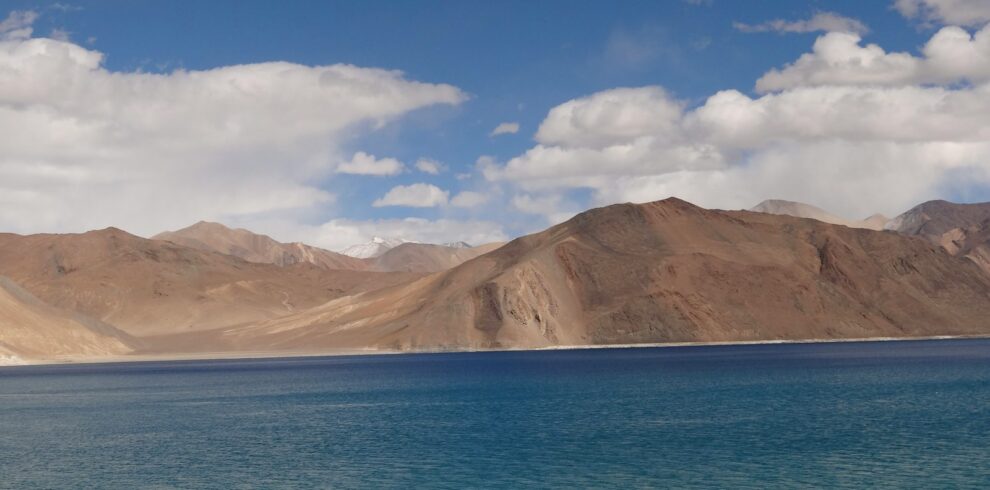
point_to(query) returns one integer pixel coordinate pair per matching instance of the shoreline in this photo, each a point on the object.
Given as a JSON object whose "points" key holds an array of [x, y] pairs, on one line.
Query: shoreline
{"points": [[273, 355]]}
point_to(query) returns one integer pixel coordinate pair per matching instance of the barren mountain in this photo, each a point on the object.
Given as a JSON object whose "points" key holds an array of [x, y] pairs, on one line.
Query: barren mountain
{"points": [[802, 210], [424, 257], [665, 271], [152, 286], [253, 247], [380, 255], [962, 229], [30, 329]]}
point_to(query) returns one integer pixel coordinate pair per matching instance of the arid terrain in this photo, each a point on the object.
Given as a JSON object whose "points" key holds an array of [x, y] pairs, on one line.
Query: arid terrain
{"points": [[666, 271]]}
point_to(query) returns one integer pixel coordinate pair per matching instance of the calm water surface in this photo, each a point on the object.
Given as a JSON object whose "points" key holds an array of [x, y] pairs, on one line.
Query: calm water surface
{"points": [[904, 414]]}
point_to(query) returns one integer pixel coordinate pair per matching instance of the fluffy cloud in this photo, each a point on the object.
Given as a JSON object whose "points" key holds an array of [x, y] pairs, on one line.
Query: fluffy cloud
{"points": [[956, 12], [951, 55], [429, 166], [85, 147], [17, 25], [852, 145], [551, 206], [505, 128], [468, 199], [364, 164], [415, 195], [822, 21], [617, 115]]}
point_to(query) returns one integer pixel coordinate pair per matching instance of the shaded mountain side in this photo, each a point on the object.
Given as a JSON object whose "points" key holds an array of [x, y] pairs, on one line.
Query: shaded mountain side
{"points": [[802, 210], [666, 271], [253, 247], [962, 229], [423, 257], [31, 329], [152, 286]]}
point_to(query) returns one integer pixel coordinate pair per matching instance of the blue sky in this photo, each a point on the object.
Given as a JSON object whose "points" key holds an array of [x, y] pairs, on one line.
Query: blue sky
{"points": [[510, 62]]}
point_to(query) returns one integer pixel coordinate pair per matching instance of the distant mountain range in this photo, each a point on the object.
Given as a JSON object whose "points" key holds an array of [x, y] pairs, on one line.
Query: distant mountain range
{"points": [[666, 271], [376, 247], [802, 210], [382, 255]]}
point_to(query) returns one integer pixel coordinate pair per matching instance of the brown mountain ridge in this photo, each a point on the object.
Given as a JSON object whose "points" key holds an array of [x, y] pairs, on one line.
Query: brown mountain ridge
{"points": [[666, 271]]}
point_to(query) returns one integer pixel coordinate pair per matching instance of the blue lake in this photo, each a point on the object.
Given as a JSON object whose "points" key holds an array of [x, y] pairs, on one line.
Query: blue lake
{"points": [[905, 414]]}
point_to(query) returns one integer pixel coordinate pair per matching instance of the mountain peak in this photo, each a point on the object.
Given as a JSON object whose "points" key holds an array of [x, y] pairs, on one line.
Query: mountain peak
{"points": [[374, 248]]}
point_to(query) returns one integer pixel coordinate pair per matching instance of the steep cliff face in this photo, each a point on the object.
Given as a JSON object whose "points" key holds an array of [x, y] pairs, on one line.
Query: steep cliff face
{"points": [[666, 271]]}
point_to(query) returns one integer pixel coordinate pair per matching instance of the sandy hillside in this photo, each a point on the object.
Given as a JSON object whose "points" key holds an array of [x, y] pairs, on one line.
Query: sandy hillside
{"points": [[30, 329]]}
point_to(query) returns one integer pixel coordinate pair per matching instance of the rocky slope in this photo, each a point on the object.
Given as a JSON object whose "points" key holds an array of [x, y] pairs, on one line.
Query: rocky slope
{"points": [[30, 329], [802, 210], [666, 271], [253, 247], [150, 287], [961, 229]]}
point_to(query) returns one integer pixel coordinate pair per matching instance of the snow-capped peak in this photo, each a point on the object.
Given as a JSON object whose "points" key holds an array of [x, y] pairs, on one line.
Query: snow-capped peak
{"points": [[377, 246]]}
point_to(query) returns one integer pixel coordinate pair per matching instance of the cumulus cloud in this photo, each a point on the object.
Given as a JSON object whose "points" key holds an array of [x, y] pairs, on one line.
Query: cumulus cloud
{"points": [[857, 147], [951, 55], [607, 117], [553, 207], [416, 195], [364, 164], [429, 166], [60, 35], [468, 199], [505, 128], [821, 21], [955, 12], [85, 147], [17, 25]]}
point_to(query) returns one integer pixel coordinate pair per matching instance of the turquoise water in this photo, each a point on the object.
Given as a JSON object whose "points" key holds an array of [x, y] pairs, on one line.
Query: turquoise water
{"points": [[905, 414]]}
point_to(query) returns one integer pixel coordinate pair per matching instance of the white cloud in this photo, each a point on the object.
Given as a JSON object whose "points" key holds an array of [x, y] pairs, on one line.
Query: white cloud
{"points": [[505, 128], [955, 12], [60, 35], [429, 166], [17, 25], [468, 199], [951, 55], [607, 117], [416, 195], [820, 22], [552, 206], [224, 144], [364, 164], [855, 148]]}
